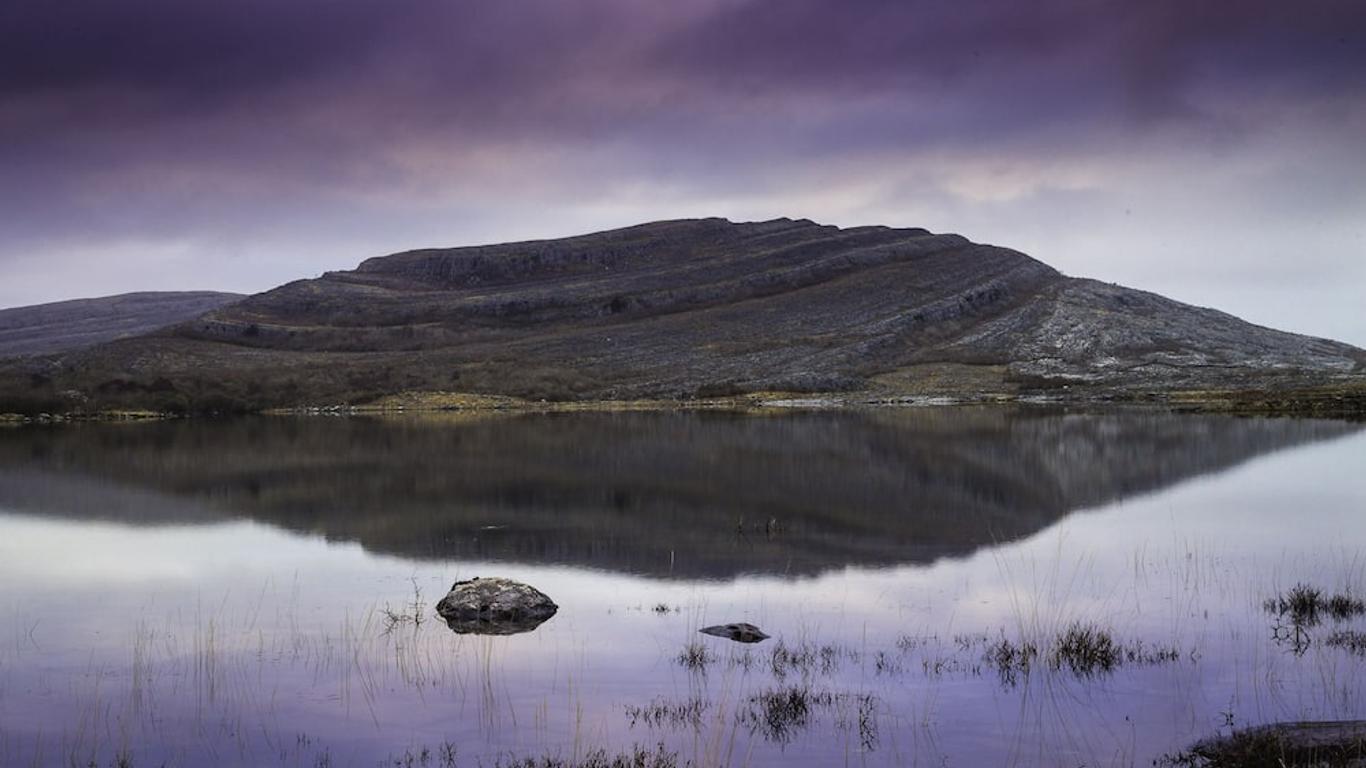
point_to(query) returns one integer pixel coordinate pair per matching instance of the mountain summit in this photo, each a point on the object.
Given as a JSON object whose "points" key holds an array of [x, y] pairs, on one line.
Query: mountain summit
{"points": [[688, 308]]}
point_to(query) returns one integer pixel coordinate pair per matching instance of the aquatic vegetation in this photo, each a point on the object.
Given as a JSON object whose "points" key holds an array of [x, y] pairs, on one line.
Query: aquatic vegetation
{"points": [[1348, 639], [1141, 653], [445, 757], [695, 657], [1083, 649], [1011, 660], [409, 613], [806, 658], [908, 643], [1305, 605], [1301, 604], [887, 664], [1086, 649], [668, 713], [966, 642], [780, 714], [1343, 607], [636, 757], [421, 757], [865, 720]]}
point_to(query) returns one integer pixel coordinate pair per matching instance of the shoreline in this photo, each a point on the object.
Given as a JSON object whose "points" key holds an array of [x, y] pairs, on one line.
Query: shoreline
{"points": [[1341, 401]]}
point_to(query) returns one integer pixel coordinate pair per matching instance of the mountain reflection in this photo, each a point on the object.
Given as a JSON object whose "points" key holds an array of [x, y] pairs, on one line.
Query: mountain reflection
{"points": [[677, 494]]}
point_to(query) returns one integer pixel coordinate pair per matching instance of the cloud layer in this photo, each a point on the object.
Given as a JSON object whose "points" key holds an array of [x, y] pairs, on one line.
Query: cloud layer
{"points": [[1211, 151]]}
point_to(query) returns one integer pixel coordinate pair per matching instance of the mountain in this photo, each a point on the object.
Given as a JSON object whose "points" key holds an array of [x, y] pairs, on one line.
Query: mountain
{"points": [[690, 494], [680, 309], [68, 325]]}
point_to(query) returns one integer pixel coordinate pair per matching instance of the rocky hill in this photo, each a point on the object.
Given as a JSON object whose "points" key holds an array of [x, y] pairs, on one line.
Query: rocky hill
{"points": [[68, 325], [681, 309]]}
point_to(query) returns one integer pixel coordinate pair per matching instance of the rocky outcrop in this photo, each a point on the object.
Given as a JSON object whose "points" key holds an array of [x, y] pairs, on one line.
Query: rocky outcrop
{"points": [[494, 606]]}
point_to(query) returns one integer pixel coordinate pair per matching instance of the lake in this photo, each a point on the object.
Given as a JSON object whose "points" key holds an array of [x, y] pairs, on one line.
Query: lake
{"points": [[952, 586]]}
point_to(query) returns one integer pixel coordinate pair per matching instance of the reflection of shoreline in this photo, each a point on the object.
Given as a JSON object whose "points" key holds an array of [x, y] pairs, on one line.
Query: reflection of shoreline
{"points": [[665, 494]]}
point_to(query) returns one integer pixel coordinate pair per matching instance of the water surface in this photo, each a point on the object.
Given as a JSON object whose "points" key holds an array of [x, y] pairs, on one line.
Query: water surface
{"points": [[216, 592]]}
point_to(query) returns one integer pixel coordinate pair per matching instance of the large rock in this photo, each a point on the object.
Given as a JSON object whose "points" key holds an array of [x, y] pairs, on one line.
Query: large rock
{"points": [[494, 606]]}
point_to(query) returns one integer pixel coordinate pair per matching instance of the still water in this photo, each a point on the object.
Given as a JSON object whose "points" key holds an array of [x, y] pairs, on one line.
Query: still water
{"points": [[259, 592]]}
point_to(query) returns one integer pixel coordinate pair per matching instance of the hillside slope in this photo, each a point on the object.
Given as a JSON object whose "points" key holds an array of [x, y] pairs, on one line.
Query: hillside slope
{"points": [[682, 309], [66, 325]]}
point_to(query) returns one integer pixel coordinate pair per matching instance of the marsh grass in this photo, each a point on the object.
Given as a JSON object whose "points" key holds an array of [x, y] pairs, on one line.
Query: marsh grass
{"points": [[635, 757], [1083, 649], [885, 663], [780, 714], [444, 756], [1011, 660], [412, 613], [806, 658], [675, 714], [1343, 607], [1349, 640], [743, 660], [910, 643], [1305, 605], [423, 757], [1086, 650], [695, 657]]}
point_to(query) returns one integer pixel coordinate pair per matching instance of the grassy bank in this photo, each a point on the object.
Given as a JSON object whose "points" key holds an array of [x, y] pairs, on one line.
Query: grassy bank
{"points": [[1340, 400]]}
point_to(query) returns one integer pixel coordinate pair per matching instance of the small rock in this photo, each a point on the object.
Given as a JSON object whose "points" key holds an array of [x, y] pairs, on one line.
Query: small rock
{"points": [[740, 632], [494, 606]]}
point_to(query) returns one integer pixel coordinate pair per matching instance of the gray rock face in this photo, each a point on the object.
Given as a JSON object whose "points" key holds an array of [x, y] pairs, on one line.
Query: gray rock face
{"points": [[740, 632], [1092, 333], [494, 606]]}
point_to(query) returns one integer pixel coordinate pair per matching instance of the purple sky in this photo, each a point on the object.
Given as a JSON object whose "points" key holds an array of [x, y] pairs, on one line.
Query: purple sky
{"points": [[1211, 151]]}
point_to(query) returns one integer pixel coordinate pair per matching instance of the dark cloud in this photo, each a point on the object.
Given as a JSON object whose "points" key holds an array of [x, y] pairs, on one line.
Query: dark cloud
{"points": [[324, 71], [1046, 63], [185, 50]]}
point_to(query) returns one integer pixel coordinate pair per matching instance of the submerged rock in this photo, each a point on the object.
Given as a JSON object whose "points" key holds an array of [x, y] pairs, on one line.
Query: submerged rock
{"points": [[494, 606], [740, 632]]}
